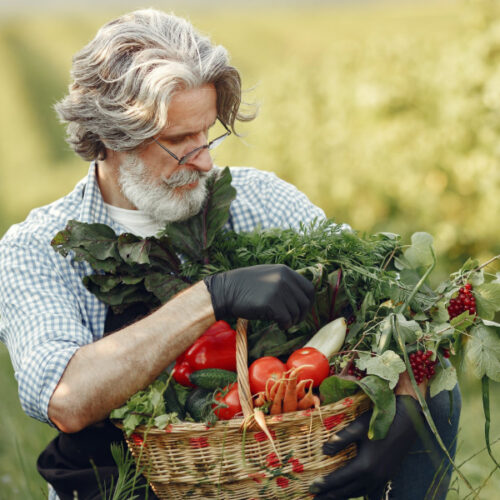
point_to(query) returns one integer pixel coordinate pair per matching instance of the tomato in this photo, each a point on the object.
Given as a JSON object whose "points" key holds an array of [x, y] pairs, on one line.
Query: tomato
{"points": [[231, 399], [309, 356], [263, 369]]}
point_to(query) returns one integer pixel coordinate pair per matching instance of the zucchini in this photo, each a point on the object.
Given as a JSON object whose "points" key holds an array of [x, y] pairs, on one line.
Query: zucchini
{"points": [[198, 402], [212, 378]]}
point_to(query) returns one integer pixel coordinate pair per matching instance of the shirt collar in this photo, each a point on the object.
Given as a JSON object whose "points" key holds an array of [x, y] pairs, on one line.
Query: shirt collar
{"points": [[93, 209]]}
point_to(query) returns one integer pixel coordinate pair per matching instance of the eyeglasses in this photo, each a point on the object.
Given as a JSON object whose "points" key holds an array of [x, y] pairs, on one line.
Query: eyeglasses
{"points": [[211, 145]]}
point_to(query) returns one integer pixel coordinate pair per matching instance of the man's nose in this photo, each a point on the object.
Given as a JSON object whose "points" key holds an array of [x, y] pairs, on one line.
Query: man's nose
{"points": [[201, 160]]}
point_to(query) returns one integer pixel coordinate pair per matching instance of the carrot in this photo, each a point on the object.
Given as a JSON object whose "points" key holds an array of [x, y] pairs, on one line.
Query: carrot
{"points": [[301, 387], [308, 400], [278, 398], [261, 422], [317, 402], [274, 389], [290, 398]]}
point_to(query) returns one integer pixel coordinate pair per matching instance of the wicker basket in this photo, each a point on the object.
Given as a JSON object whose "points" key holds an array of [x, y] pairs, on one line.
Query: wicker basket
{"points": [[191, 460]]}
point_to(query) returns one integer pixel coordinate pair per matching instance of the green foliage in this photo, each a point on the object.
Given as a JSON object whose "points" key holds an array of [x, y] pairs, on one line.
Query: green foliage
{"points": [[147, 407], [384, 405], [364, 268]]}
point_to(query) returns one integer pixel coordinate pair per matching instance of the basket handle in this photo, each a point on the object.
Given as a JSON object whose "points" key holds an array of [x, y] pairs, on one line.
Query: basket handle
{"points": [[242, 367]]}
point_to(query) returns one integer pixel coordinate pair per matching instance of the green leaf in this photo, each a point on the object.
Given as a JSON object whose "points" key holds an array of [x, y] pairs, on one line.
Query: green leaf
{"points": [[217, 210], [384, 334], [130, 422], [162, 255], [462, 322], [156, 397], [335, 388], [384, 403], [118, 295], [133, 250], [419, 254], [164, 286], [286, 348], [485, 383], [445, 379], [315, 274], [477, 278], [409, 329], [367, 303], [119, 413], [387, 366], [193, 237], [440, 314], [491, 323], [98, 240], [469, 265], [483, 352], [262, 341], [487, 299], [163, 420], [105, 282]]}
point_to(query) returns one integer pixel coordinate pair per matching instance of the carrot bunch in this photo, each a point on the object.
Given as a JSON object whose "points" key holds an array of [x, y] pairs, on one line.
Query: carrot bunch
{"points": [[288, 393]]}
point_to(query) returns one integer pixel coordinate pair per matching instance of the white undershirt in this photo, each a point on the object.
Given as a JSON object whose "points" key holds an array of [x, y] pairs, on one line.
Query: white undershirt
{"points": [[134, 221]]}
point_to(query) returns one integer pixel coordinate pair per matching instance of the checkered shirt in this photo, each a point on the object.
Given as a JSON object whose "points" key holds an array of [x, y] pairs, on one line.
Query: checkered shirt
{"points": [[46, 313]]}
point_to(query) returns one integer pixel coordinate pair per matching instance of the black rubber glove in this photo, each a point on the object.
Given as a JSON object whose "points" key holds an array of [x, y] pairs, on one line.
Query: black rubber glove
{"points": [[376, 461], [268, 292]]}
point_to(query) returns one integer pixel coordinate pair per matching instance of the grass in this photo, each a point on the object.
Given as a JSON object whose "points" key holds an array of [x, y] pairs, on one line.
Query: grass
{"points": [[23, 439]]}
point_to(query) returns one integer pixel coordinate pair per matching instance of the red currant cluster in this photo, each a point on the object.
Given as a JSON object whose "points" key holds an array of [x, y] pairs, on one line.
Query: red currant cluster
{"points": [[465, 301], [422, 365]]}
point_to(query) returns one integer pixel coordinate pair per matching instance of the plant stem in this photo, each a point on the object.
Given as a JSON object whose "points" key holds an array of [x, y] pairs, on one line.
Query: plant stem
{"points": [[417, 287], [487, 263], [423, 404]]}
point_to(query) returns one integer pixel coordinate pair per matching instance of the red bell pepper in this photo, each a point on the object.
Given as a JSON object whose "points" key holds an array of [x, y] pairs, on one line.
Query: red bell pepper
{"points": [[216, 348]]}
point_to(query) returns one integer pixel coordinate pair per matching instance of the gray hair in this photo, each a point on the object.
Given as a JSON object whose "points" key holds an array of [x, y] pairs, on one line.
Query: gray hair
{"points": [[124, 79]]}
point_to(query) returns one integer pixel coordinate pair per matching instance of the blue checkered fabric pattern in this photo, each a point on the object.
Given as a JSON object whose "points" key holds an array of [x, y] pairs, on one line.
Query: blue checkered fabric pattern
{"points": [[46, 313]]}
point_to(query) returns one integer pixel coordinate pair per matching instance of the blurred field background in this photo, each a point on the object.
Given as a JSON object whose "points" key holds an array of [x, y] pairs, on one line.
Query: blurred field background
{"points": [[386, 114]]}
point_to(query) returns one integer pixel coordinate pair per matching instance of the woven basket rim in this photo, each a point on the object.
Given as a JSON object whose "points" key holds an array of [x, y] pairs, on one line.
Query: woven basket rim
{"points": [[183, 426]]}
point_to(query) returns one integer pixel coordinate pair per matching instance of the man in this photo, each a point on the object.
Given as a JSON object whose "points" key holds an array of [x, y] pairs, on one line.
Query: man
{"points": [[146, 95]]}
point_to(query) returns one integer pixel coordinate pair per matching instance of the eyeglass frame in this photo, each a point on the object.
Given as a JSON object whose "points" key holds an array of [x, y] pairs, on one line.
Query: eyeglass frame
{"points": [[211, 145]]}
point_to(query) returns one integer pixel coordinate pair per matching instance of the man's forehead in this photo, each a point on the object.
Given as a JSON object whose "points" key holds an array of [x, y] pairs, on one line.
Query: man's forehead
{"points": [[191, 110]]}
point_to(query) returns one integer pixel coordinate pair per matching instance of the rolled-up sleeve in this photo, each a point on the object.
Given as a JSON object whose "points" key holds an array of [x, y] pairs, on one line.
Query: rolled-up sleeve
{"points": [[41, 320]]}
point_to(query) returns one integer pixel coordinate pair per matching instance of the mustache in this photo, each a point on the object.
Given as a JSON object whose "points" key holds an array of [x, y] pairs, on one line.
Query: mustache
{"points": [[183, 177]]}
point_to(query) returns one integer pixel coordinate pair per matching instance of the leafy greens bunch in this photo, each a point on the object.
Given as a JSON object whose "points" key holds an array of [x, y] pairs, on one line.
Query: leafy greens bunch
{"points": [[375, 281]]}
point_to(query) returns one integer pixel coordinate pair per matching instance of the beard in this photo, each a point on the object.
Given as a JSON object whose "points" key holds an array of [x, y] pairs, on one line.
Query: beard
{"points": [[160, 198]]}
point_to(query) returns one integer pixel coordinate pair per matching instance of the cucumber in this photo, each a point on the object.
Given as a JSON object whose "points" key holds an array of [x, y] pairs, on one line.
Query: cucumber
{"points": [[198, 402], [212, 378]]}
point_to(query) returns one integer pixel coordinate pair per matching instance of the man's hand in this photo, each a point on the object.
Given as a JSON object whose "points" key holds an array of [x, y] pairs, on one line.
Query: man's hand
{"points": [[376, 461], [272, 292]]}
